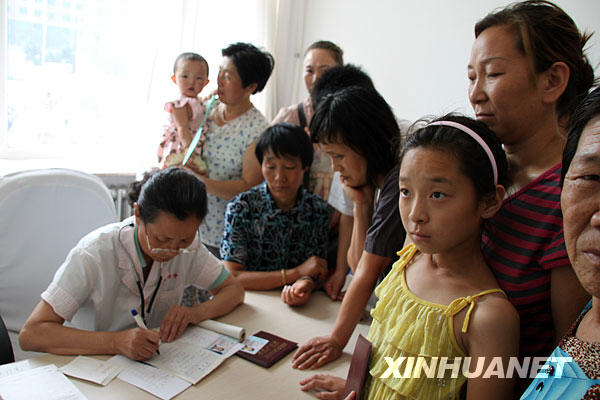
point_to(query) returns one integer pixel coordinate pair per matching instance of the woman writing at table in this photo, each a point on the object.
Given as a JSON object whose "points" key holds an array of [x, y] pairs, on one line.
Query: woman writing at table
{"points": [[141, 263]]}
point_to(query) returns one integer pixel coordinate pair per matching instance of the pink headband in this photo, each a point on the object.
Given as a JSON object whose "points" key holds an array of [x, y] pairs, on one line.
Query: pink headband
{"points": [[477, 138]]}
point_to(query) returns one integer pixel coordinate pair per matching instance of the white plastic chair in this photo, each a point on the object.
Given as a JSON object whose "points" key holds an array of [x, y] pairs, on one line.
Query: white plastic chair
{"points": [[43, 214]]}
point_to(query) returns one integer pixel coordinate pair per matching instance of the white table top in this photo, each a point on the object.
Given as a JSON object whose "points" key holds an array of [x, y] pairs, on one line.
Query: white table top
{"points": [[237, 378]]}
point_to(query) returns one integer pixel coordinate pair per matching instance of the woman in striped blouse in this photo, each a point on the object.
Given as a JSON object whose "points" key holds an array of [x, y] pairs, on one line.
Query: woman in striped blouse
{"points": [[527, 73]]}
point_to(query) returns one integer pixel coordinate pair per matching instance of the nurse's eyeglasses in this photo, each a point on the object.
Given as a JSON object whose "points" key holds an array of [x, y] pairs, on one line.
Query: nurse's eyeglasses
{"points": [[184, 250]]}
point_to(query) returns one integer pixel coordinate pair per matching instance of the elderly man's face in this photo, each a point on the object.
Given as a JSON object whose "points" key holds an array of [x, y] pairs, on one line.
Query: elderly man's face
{"points": [[580, 201]]}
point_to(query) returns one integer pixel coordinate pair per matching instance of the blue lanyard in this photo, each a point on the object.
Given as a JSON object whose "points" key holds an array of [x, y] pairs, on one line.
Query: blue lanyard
{"points": [[139, 285], [199, 133], [143, 310]]}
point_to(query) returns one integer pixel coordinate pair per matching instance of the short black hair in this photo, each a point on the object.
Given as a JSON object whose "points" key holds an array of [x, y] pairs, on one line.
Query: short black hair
{"points": [[188, 56], [285, 139], [253, 65], [173, 190], [473, 159], [361, 119], [339, 77], [336, 52], [587, 110]]}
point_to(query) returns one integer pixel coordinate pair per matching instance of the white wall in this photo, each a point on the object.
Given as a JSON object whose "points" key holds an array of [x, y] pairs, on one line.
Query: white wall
{"points": [[417, 52]]}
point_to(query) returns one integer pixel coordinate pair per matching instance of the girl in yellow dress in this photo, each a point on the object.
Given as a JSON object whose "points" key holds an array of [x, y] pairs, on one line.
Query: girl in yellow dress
{"points": [[441, 301]]}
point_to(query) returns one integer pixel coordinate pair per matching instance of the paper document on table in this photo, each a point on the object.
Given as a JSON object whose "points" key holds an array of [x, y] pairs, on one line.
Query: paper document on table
{"points": [[148, 378], [13, 368], [195, 354], [45, 382], [92, 370], [236, 332]]}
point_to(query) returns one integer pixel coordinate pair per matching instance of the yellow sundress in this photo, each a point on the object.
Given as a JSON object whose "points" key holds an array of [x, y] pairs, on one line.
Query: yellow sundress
{"points": [[407, 326]]}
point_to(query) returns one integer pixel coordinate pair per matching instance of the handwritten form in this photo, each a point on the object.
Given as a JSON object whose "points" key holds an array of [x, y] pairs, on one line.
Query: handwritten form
{"points": [[186, 360], [92, 370], [180, 364], [200, 336], [39, 383], [148, 378], [13, 368], [195, 354]]}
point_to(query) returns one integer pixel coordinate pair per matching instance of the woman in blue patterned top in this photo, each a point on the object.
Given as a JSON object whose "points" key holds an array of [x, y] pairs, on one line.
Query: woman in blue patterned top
{"points": [[276, 233]]}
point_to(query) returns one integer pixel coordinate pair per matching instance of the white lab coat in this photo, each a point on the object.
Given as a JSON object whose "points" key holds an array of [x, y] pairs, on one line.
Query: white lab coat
{"points": [[95, 288]]}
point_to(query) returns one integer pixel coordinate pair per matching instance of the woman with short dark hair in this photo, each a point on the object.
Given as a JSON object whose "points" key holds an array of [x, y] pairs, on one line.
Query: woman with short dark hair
{"points": [[233, 126], [276, 233], [358, 130]]}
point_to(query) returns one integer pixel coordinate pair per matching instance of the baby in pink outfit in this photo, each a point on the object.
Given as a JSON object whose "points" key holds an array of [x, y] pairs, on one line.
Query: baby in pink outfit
{"points": [[190, 74]]}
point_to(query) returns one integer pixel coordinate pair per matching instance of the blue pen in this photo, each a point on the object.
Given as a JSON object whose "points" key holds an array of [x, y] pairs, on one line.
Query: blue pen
{"points": [[140, 322]]}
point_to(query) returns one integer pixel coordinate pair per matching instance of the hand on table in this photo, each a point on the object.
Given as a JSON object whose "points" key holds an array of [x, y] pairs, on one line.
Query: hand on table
{"points": [[297, 294], [174, 322], [138, 344], [334, 284], [317, 352], [325, 386], [315, 267]]}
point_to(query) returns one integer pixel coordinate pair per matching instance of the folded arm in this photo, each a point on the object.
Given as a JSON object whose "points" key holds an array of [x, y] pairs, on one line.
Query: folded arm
{"points": [[336, 281], [251, 176], [265, 280], [362, 218]]}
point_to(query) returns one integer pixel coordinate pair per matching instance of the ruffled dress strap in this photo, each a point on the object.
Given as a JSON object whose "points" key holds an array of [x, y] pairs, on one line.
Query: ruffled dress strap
{"points": [[407, 253], [414, 330], [458, 304]]}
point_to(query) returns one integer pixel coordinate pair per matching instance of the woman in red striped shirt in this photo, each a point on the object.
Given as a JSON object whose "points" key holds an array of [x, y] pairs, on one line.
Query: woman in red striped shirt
{"points": [[527, 73]]}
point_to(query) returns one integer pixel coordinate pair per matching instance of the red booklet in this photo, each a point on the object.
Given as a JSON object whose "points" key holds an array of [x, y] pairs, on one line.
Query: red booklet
{"points": [[359, 367], [273, 351]]}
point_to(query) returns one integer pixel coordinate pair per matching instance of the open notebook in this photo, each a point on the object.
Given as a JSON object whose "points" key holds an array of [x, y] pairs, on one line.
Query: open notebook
{"points": [[183, 362]]}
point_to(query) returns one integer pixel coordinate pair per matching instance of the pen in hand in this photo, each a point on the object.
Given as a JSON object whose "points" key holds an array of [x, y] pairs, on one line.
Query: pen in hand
{"points": [[140, 323]]}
